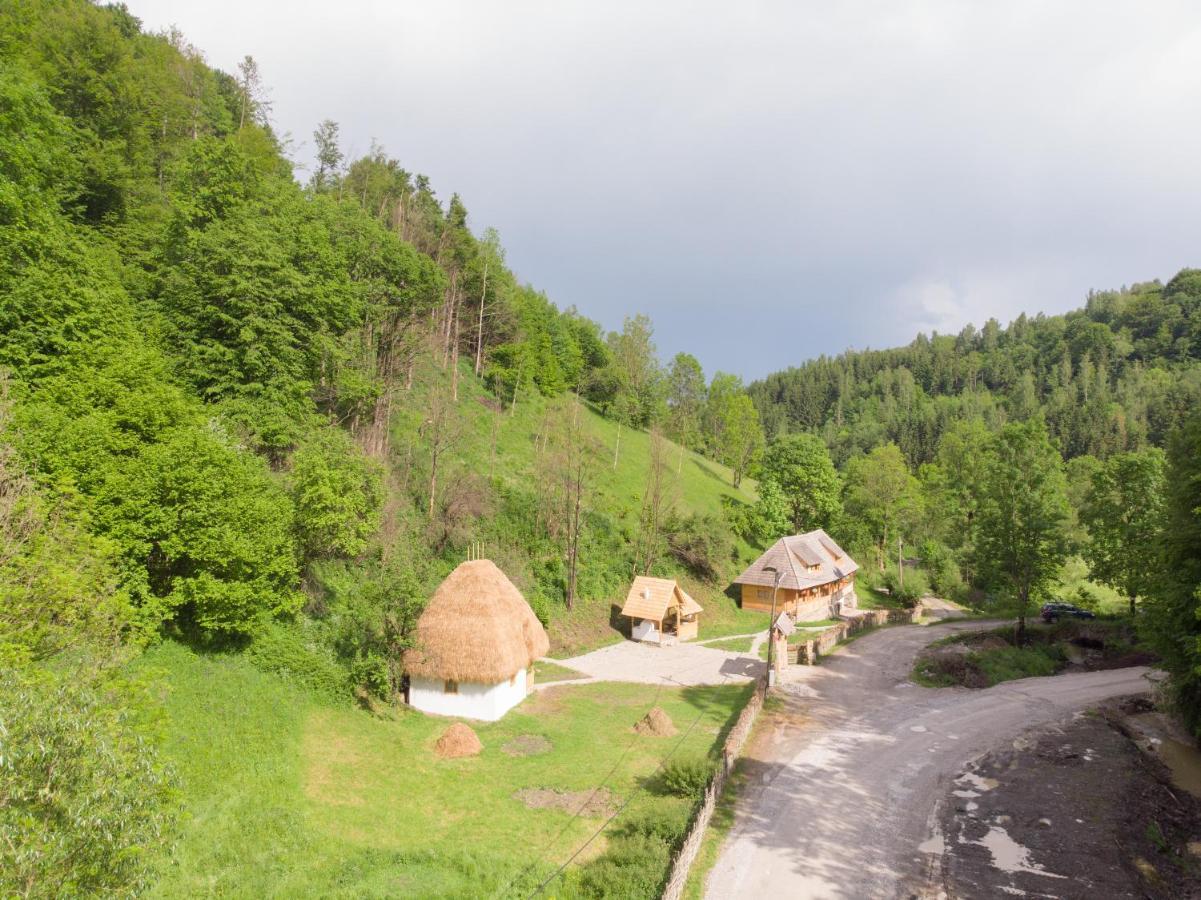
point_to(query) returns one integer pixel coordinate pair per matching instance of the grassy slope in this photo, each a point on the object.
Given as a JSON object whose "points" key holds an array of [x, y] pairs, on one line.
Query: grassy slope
{"points": [[287, 795], [697, 486]]}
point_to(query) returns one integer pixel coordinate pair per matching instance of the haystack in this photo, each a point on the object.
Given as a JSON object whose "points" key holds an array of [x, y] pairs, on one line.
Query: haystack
{"points": [[473, 645], [458, 740], [656, 723]]}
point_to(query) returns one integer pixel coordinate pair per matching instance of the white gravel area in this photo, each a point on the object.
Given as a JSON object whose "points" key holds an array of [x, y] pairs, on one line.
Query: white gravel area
{"points": [[681, 664]]}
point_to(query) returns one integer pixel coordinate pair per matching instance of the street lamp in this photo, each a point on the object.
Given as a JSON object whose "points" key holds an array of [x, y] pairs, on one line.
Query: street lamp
{"points": [[771, 627]]}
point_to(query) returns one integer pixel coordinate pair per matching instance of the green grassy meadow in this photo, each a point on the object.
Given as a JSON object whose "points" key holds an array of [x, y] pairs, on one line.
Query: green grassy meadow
{"points": [[289, 795]]}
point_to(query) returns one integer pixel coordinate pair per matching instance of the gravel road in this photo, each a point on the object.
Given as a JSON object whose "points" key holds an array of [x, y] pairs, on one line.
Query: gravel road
{"points": [[842, 791]]}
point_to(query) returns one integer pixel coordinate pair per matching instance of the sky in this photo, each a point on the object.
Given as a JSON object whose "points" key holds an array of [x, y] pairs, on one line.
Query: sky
{"points": [[768, 181]]}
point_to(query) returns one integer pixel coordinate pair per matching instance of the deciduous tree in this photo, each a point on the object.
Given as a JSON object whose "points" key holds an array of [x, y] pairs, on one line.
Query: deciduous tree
{"points": [[1123, 512], [1021, 541], [1173, 607], [799, 466]]}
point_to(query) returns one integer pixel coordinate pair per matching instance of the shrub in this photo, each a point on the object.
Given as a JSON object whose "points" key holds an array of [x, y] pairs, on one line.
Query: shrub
{"points": [[668, 825], [282, 650], [632, 867], [337, 494], [1086, 598], [908, 594], [1008, 663], [84, 799], [700, 542], [687, 777], [941, 568]]}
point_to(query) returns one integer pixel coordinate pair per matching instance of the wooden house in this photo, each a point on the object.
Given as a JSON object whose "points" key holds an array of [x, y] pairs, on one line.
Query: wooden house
{"points": [[660, 611], [817, 578]]}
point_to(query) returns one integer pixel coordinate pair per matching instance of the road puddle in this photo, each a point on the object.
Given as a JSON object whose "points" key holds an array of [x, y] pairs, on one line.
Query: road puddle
{"points": [[1182, 759], [980, 784], [1010, 856], [935, 845]]}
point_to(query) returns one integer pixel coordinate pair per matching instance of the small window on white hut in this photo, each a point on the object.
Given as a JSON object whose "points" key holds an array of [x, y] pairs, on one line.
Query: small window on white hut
{"points": [[450, 686], [513, 680]]}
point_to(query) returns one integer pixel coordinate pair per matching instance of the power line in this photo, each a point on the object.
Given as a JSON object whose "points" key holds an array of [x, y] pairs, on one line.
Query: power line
{"points": [[542, 853], [538, 890]]}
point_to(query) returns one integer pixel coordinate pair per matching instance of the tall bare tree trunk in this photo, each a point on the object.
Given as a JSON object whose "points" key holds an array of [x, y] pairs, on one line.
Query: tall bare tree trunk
{"points": [[495, 435], [479, 335], [454, 365]]}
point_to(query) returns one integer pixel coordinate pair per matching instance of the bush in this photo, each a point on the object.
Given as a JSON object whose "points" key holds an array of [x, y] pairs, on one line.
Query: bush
{"points": [[84, 799], [941, 568], [282, 650], [908, 594], [1009, 663], [632, 867], [700, 542], [1086, 598], [667, 825], [687, 777]]}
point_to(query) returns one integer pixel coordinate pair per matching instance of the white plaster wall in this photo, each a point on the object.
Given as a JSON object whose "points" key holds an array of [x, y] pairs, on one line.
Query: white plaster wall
{"points": [[644, 630], [487, 702]]}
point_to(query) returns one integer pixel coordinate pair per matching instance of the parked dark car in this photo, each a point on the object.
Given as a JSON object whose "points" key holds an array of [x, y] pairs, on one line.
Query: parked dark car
{"points": [[1052, 612]]}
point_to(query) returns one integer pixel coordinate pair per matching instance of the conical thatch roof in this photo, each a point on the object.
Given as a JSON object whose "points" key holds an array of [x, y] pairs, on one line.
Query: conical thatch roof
{"points": [[477, 628]]}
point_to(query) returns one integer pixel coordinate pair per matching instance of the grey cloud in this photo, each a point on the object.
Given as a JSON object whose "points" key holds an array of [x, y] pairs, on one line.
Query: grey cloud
{"points": [[769, 181]]}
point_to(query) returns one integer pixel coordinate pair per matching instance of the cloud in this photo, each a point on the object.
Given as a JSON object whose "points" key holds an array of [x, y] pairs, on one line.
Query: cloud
{"points": [[768, 180]]}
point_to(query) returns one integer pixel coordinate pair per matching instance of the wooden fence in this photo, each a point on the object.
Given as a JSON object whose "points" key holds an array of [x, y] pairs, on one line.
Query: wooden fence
{"points": [[730, 752]]}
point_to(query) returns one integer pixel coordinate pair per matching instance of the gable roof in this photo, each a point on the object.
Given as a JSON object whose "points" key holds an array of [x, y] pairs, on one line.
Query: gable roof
{"points": [[476, 628], [804, 561], [651, 598]]}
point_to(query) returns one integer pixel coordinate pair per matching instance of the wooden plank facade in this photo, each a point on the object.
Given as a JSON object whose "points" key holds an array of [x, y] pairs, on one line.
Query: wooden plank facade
{"points": [[807, 605]]}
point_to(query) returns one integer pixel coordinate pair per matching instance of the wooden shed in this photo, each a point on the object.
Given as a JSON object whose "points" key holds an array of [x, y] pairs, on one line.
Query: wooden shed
{"points": [[660, 611]]}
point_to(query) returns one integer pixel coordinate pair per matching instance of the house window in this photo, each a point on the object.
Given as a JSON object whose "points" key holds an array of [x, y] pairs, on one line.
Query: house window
{"points": [[450, 686], [513, 680], [764, 593]]}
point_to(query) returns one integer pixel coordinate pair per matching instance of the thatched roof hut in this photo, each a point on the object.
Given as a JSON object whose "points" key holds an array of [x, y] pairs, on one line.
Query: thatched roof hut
{"points": [[476, 630]]}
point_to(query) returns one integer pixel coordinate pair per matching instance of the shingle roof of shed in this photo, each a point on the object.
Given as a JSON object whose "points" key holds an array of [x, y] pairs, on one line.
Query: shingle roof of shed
{"points": [[651, 598]]}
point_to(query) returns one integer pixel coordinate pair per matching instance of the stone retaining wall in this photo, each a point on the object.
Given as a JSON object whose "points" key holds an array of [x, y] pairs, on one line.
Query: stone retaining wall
{"points": [[730, 751], [807, 653]]}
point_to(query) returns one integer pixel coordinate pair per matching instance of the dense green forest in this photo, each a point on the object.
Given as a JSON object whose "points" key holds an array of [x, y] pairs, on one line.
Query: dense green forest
{"points": [[1115, 376], [259, 406]]}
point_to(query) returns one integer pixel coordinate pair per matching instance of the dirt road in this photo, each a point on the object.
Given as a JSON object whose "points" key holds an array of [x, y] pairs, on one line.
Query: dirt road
{"points": [[841, 794]]}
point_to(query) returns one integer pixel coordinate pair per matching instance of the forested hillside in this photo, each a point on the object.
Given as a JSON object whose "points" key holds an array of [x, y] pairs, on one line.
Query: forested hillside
{"points": [[1116, 375], [254, 407], [263, 409]]}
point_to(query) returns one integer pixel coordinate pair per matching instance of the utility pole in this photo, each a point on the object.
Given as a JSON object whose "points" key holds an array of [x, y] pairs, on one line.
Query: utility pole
{"points": [[771, 628], [900, 563]]}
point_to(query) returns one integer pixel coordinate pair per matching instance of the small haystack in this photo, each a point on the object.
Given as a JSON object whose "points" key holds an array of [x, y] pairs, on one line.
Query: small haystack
{"points": [[458, 740], [656, 723]]}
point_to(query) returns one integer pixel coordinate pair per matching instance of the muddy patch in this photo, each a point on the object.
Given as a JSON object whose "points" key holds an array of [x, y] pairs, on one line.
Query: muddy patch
{"points": [[527, 745], [547, 702], [590, 804], [1072, 811]]}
